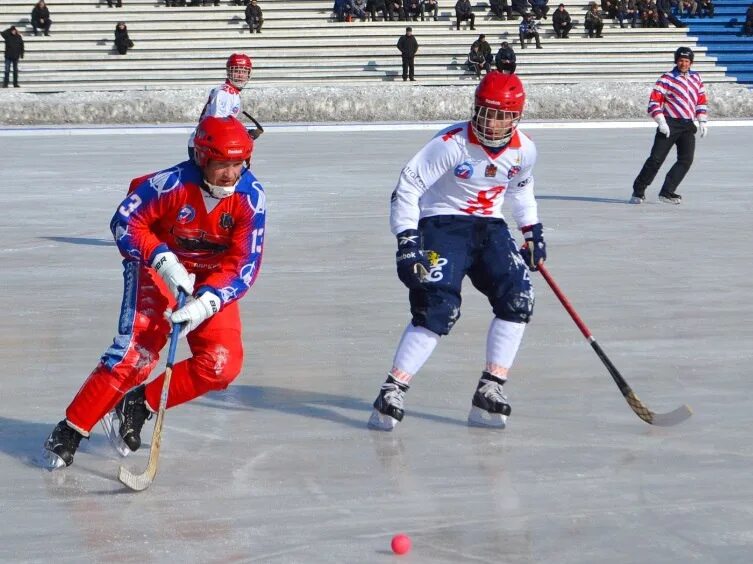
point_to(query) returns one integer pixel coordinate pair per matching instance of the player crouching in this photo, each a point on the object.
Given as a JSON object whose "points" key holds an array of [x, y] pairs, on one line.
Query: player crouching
{"points": [[446, 212]]}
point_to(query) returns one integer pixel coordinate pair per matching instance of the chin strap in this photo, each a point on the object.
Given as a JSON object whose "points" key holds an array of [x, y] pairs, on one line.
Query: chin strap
{"points": [[219, 192]]}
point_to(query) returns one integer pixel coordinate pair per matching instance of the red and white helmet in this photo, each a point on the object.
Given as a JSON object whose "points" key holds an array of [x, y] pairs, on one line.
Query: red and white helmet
{"points": [[238, 69], [221, 139], [497, 108]]}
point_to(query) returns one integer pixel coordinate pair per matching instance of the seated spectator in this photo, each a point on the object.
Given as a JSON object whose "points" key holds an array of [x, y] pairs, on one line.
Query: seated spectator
{"points": [[609, 9], [412, 9], [120, 3], [689, 8], [520, 7], [429, 7], [254, 17], [505, 59], [500, 9], [594, 22], [484, 48], [561, 22], [477, 61], [664, 9], [705, 8], [395, 8], [122, 41], [40, 18], [176, 3], [539, 8], [374, 6], [528, 30], [627, 10], [463, 12], [748, 25], [359, 9], [648, 14]]}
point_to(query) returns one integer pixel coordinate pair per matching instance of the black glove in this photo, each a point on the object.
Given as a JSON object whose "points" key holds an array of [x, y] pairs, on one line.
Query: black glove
{"points": [[412, 263], [534, 249], [254, 133]]}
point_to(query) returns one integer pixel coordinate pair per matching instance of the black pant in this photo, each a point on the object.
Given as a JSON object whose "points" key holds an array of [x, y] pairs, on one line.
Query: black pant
{"points": [[682, 134], [408, 67], [465, 17], [564, 30], [8, 64], [529, 35]]}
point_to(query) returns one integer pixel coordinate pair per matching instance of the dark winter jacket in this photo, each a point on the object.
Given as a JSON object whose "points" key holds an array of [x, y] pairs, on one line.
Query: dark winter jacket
{"points": [[253, 12], [122, 41], [463, 7], [38, 14], [560, 19], [14, 44], [407, 45]]}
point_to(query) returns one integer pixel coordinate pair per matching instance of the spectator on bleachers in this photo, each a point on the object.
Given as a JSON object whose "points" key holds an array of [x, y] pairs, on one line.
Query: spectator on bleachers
{"points": [[609, 9], [705, 8], [359, 10], [40, 18], [539, 8], [505, 59], [182, 3], [528, 29], [520, 7], [648, 13], [374, 6], [562, 22], [747, 26], [627, 10], [689, 8], [122, 41], [429, 7], [500, 9], [594, 22], [14, 50], [408, 47], [476, 61], [664, 9], [463, 12], [395, 8], [484, 48], [120, 3], [412, 9], [254, 17]]}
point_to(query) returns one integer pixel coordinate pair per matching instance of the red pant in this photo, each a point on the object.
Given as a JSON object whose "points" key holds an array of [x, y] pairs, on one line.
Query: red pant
{"points": [[142, 333]]}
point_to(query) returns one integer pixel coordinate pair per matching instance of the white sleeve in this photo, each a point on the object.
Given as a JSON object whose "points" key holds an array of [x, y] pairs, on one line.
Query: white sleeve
{"points": [[221, 105], [521, 195], [418, 176]]}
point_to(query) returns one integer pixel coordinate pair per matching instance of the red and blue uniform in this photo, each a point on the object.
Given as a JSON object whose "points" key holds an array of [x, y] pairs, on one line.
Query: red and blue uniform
{"points": [[221, 242]]}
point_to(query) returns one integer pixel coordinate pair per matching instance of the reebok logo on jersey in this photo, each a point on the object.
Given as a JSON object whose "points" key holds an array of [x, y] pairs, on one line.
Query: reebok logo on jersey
{"points": [[408, 240]]}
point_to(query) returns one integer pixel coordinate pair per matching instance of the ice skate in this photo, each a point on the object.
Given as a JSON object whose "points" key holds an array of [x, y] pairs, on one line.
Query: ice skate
{"points": [[668, 198], [636, 199], [110, 425], [489, 405], [131, 413], [60, 446], [388, 407]]}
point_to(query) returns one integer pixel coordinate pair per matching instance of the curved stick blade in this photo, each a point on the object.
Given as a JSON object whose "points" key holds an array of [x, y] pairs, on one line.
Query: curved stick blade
{"points": [[673, 417]]}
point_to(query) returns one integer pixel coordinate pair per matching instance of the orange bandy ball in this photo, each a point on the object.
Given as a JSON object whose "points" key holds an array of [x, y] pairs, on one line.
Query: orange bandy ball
{"points": [[400, 544]]}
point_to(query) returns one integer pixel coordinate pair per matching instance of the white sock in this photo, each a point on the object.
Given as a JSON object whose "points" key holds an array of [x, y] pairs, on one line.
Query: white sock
{"points": [[415, 348], [502, 344]]}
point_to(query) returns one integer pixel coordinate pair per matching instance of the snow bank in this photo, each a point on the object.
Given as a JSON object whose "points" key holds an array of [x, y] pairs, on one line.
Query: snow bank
{"points": [[411, 103]]}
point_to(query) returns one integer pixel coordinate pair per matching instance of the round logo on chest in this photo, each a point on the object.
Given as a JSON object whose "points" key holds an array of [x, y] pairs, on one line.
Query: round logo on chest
{"points": [[186, 214], [464, 170]]}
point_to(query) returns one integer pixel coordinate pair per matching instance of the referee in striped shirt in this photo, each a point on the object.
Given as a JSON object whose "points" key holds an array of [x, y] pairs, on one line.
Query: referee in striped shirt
{"points": [[677, 98]]}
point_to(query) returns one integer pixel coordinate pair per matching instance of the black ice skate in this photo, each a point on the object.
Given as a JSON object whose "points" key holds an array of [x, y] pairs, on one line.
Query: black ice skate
{"points": [[130, 413], [668, 198], [489, 405], [60, 446], [388, 407]]}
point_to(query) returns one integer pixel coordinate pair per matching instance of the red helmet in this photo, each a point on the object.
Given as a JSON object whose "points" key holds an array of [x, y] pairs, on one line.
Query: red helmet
{"points": [[238, 69], [221, 139], [497, 108]]}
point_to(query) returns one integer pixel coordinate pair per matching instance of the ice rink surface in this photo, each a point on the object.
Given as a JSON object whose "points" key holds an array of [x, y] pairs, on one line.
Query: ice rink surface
{"points": [[280, 467]]}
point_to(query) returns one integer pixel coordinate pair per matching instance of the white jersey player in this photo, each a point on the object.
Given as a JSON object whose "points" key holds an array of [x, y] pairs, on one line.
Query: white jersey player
{"points": [[225, 100], [446, 212]]}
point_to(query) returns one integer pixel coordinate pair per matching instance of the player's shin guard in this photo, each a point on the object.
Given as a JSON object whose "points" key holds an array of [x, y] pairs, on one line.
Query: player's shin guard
{"points": [[388, 407], [489, 406], [60, 446]]}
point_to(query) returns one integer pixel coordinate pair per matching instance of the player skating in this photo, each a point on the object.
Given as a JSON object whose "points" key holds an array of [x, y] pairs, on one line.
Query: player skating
{"points": [[446, 212], [225, 100], [197, 227]]}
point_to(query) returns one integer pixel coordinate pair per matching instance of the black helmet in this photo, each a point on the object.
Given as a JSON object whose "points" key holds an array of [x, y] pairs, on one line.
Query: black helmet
{"points": [[505, 59], [684, 53]]}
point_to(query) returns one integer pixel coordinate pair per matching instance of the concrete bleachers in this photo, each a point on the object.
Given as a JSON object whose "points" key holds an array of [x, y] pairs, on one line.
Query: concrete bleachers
{"points": [[301, 44]]}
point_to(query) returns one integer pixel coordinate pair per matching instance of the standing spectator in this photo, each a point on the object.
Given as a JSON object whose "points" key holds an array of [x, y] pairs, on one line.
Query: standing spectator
{"points": [[254, 17], [561, 22], [505, 59], [747, 26], [677, 98], [122, 41], [484, 48], [500, 9], [539, 8], [627, 10], [412, 9], [706, 8], [464, 12], [477, 61], [374, 6], [527, 30], [395, 8], [664, 9], [14, 50], [429, 7], [594, 22], [408, 47], [40, 18]]}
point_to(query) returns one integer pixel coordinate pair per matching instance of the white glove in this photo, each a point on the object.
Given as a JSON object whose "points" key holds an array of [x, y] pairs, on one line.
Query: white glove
{"points": [[703, 127], [195, 312], [663, 127], [173, 273]]}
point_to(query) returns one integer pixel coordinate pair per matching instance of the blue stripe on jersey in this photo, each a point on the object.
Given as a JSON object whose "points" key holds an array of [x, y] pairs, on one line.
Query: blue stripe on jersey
{"points": [[116, 352]]}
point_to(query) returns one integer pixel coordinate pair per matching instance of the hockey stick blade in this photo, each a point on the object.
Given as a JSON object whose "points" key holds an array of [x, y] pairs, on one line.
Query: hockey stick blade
{"points": [[140, 482], [659, 419]]}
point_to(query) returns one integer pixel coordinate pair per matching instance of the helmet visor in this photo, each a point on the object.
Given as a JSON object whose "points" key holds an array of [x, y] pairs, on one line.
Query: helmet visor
{"points": [[238, 75], [493, 127]]}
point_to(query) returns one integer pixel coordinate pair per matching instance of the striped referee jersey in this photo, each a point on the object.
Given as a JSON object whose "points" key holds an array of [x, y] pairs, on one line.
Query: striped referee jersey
{"points": [[678, 95]]}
